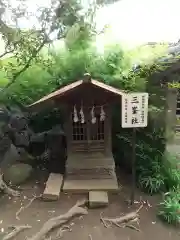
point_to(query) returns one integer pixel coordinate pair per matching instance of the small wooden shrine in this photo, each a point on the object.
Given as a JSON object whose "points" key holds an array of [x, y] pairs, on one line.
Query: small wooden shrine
{"points": [[90, 164]]}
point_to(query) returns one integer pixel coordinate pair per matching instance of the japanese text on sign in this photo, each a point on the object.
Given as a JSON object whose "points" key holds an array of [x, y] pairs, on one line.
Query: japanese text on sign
{"points": [[134, 110]]}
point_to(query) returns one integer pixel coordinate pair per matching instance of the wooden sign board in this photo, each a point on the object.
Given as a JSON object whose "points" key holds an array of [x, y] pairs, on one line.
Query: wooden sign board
{"points": [[134, 110]]}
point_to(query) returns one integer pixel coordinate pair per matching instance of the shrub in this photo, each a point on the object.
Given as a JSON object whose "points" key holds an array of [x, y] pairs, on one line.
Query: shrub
{"points": [[171, 171], [151, 184], [149, 160], [169, 209], [152, 180]]}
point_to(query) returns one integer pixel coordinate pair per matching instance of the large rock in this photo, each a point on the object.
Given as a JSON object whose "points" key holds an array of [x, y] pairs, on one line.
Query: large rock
{"points": [[17, 173], [10, 157]]}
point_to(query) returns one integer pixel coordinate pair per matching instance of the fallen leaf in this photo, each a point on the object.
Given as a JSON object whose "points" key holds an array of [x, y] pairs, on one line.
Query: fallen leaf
{"points": [[53, 211]]}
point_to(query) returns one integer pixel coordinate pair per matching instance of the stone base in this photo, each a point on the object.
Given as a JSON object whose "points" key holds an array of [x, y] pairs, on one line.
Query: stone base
{"points": [[98, 199], [90, 172], [81, 186]]}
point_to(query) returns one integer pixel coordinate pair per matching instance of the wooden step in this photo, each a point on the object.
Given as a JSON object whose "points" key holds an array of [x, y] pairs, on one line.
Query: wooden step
{"points": [[84, 186], [89, 161], [53, 187], [89, 164], [98, 199], [87, 174]]}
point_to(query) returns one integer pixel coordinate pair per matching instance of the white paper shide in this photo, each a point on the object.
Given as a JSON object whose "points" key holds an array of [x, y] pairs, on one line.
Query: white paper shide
{"points": [[134, 110]]}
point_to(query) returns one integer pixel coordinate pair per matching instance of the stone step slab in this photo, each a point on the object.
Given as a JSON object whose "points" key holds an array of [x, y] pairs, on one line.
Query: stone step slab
{"points": [[98, 199], [53, 187]]}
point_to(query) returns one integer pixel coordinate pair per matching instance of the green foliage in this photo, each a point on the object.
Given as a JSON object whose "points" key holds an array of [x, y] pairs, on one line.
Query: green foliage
{"points": [[157, 172], [169, 209], [31, 84], [171, 171], [152, 183], [3, 79], [54, 20], [147, 54], [149, 165], [68, 66]]}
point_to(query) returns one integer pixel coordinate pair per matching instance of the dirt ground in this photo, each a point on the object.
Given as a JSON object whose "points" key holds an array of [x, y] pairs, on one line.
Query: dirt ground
{"points": [[88, 227]]}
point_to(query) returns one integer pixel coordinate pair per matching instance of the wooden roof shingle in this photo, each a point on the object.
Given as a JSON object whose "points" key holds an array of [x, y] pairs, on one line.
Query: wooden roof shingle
{"points": [[62, 91]]}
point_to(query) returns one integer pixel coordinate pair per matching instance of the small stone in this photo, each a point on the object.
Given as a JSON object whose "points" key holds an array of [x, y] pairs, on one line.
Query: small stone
{"points": [[98, 199], [53, 187]]}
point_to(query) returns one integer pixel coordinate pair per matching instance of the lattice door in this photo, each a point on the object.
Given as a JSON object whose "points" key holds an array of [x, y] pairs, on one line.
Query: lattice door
{"points": [[88, 136], [79, 131], [97, 134], [79, 135]]}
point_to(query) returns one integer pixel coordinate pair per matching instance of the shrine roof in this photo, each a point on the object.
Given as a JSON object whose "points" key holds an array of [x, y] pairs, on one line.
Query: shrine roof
{"points": [[63, 90]]}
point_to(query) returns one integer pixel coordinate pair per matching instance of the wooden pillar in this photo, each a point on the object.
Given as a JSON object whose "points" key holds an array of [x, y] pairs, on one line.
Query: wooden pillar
{"points": [[108, 131], [68, 129]]}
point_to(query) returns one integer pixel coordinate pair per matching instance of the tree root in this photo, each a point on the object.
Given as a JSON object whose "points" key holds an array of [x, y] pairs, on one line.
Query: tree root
{"points": [[6, 189], [58, 221], [59, 234], [15, 231], [26, 206], [123, 221]]}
